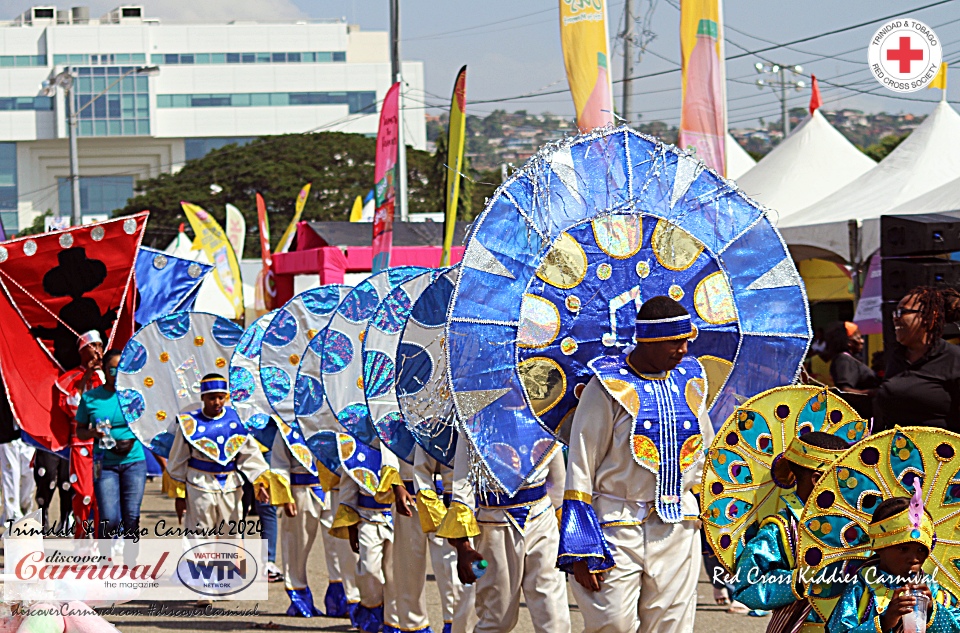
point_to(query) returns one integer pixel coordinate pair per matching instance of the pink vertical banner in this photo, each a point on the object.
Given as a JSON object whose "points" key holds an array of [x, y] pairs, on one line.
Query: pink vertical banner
{"points": [[703, 116], [385, 178]]}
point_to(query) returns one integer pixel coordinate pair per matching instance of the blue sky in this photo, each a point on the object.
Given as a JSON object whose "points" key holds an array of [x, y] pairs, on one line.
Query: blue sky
{"points": [[513, 49]]}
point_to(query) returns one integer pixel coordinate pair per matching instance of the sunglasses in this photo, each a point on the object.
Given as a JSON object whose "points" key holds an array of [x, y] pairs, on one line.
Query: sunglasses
{"points": [[899, 312]]}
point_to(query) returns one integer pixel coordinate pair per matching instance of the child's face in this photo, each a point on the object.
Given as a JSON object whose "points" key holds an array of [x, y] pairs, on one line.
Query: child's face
{"points": [[904, 559], [213, 403]]}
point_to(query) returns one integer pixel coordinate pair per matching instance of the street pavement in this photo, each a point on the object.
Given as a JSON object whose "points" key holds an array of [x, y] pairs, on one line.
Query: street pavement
{"points": [[710, 618]]}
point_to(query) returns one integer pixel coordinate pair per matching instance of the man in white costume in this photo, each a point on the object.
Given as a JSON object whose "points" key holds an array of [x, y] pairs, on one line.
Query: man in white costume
{"points": [[419, 511], [342, 595], [629, 528], [518, 538], [367, 522]]}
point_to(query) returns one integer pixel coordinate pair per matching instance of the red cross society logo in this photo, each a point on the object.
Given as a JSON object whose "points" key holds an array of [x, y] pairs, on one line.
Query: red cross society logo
{"points": [[905, 55]]}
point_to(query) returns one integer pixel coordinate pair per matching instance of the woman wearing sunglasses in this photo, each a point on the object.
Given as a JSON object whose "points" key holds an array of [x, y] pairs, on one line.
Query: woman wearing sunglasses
{"points": [[921, 386]]}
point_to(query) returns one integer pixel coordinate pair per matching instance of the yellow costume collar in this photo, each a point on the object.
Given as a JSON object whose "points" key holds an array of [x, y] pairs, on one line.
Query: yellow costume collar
{"points": [[899, 529]]}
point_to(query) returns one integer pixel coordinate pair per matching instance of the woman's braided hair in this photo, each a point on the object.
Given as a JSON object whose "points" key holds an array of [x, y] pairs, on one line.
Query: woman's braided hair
{"points": [[931, 305]]}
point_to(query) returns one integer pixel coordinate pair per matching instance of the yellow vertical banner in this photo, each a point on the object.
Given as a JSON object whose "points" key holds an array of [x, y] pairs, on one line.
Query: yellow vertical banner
{"points": [[583, 36], [287, 238], [703, 117], [455, 143], [215, 245]]}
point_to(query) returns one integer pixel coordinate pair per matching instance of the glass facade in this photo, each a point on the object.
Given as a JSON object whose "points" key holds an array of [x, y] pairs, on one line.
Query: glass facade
{"points": [[8, 188], [124, 110], [12, 61], [182, 59], [100, 60], [98, 194], [26, 103], [364, 101], [199, 147]]}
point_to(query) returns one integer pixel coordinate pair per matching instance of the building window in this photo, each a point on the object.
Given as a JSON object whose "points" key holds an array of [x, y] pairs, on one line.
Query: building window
{"points": [[26, 103], [200, 147], [8, 188], [124, 110], [99, 60], [99, 195], [242, 58], [11, 61], [361, 101]]}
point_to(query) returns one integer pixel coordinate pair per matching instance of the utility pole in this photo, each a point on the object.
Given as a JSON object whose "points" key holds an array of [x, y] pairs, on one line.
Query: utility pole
{"points": [[397, 75], [779, 86], [76, 216], [627, 106]]}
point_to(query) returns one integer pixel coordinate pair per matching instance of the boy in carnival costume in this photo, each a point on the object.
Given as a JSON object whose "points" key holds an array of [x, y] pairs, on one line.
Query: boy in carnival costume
{"points": [[207, 457], [884, 590], [518, 537], [342, 596], [630, 518], [767, 576]]}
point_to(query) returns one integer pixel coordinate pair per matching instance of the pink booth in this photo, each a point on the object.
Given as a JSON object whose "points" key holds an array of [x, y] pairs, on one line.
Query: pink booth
{"points": [[332, 249]]}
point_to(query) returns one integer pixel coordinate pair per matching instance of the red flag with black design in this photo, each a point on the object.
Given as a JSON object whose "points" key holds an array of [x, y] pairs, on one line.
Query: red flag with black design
{"points": [[54, 287]]}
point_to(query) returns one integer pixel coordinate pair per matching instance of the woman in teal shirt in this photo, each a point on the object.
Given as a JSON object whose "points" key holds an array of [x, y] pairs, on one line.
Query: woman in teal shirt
{"points": [[120, 472]]}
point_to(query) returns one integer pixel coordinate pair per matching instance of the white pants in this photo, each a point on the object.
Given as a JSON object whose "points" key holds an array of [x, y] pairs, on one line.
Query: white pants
{"points": [[653, 588], [341, 560], [297, 535], [410, 574], [207, 509], [16, 479], [375, 567], [522, 562]]}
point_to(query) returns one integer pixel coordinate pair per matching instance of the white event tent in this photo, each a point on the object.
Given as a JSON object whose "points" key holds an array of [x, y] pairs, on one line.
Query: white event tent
{"points": [[739, 161], [943, 199], [813, 161], [926, 160]]}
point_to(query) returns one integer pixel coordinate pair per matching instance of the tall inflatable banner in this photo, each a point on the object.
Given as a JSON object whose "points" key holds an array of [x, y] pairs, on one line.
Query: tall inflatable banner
{"points": [[265, 290], [215, 245], [287, 238], [703, 117], [455, 143], [385, 178], [236, 229], [583, 36]]}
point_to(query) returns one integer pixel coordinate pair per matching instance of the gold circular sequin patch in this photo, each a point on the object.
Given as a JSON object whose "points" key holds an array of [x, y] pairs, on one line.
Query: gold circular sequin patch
{"points": [[544, 381], [843, 473], [573, 303], [565, 264], [852, 482], [851, 434], [901, 442], [362, 335], [713, 300], [221, 362], [148, 382], [312, 332], [721, 459], [294, 359], [604, 271], [643, 270], [198, 341], [826, 528], [360, 382], [675, 292], [675, 248], [164, 357], [815, 525], [903, 454], [619, 236], [161, 415]]}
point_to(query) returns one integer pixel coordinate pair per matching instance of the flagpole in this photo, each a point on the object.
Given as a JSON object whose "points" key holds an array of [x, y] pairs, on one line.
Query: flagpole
{"points": [[397, 76]]}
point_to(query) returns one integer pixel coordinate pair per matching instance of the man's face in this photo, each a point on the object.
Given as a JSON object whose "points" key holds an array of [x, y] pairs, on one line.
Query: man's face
{"points": [[664, 355], [91, 352], [213, 403]]}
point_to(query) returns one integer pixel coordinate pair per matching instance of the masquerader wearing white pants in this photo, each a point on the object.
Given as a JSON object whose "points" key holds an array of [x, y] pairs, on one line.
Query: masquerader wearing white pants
{"points": [[518, 538]]}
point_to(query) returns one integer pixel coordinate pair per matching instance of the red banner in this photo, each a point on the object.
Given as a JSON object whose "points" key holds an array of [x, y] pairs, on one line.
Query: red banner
{"points": [[266, 288], [385, 178], [54, 287]]}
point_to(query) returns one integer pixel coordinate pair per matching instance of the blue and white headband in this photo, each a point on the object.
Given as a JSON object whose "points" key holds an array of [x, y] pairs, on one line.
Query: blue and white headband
{"points": [[213, 385], [669, 329]]}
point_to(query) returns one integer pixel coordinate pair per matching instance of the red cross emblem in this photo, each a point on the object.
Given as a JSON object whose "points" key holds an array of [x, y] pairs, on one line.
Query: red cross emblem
{"points": [[904, 55]]}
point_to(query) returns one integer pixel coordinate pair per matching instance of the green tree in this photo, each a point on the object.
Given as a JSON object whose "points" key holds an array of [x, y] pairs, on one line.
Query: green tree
{"points": [[339, 166], [879, 150]]}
